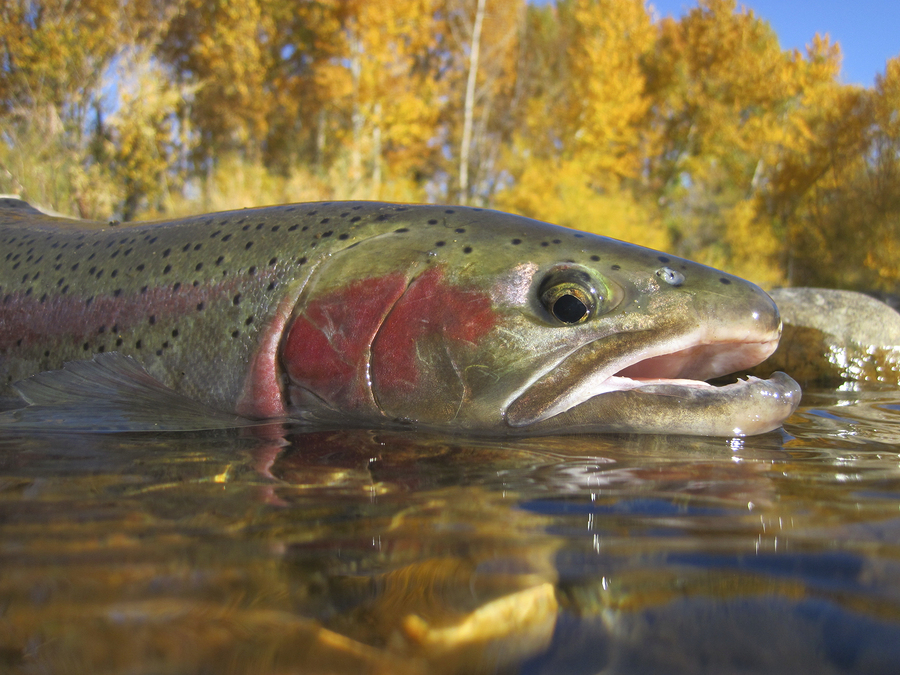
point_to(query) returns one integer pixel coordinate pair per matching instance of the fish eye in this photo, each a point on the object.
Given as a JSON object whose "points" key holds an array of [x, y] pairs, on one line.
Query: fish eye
{"points": [[570, 296]]}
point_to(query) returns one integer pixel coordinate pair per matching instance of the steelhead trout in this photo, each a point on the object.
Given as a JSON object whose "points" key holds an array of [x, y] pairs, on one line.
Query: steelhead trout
{"points": [[373, 313]]}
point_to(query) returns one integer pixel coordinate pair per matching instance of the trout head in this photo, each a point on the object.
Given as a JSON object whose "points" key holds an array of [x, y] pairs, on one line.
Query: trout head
{"points": [[494, 323]]}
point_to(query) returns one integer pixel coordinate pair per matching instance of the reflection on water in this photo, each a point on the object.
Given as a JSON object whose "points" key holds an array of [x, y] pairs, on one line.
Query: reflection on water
{"points": [[270, 550]]}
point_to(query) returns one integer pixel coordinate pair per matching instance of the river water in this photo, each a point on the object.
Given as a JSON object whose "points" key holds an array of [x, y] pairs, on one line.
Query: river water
{"points": [[273, 550]]}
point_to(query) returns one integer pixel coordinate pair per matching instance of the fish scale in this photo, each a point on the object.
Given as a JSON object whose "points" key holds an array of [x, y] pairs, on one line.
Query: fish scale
{"points": [[377, 312]]}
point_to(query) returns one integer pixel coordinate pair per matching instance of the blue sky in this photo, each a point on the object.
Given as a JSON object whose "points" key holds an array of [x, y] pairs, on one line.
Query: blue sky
{"points": [[867, 30]]}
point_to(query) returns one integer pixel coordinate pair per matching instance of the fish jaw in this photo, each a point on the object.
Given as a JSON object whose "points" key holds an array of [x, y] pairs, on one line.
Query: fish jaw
{"points": [[658, 386]]}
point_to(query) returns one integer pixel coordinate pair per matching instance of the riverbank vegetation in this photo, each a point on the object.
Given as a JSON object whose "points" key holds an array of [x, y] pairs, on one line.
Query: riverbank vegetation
{"points": [[700, 135]]}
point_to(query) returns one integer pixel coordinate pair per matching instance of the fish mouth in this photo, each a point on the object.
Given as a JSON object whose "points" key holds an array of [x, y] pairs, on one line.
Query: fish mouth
{"points": [[635, 382]]}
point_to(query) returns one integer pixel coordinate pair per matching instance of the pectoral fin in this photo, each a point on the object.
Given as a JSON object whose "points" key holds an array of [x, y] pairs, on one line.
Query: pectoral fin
{"points": [[109, 393]]}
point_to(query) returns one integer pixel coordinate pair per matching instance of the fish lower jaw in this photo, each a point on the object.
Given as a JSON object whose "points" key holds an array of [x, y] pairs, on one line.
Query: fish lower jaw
{"points": [[672, 406]]}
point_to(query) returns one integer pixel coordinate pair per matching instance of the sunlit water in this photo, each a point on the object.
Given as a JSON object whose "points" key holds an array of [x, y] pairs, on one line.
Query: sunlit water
{"points": [[275, 551]]}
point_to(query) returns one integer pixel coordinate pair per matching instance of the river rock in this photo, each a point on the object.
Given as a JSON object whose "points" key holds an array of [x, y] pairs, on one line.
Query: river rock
{"points": [[831, 337]]}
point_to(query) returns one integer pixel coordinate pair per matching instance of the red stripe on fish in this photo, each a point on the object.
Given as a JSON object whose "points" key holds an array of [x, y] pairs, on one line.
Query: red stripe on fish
{"points": [[328, 348], [28, 321], [430, 308]]}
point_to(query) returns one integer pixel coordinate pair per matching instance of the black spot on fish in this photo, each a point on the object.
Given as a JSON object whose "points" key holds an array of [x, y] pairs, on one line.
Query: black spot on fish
{"points": [[220, 259], [43, 298], [440, 243], [293, 227], [85, 346], [198, 267], [252, 270], [467, 249], [159, 352], [152, 319], [87, 303], [137, 345], [235, 333], [449, 211], [516, 242], [74, 267], [248, 245], [545, 243], [245, 228], [166, 253], [167, 269], [382, 217], [354, 219], [186, 247], [579, 236], [458, 230], [119, 342], [114, 274], [101, 330], [432, 222], [140, 268], [174, 332], [271, 286], [143, 290], [324, 220], [724, 280], [249, 320], [402, 229], [65, 289], [237, 299], [662, 258], [615, 267], [260, 226], [275, 228], [301, 261], [226, 237], [117, 292], [176, 286], [201, 306]]}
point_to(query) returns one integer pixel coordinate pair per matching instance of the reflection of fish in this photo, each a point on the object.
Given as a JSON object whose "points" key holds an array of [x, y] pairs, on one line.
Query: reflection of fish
{"points": [[439, 316]]}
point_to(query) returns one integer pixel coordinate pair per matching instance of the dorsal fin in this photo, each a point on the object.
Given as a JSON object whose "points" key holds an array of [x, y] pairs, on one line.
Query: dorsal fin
{"points": [[109, 393], [18, 207]]}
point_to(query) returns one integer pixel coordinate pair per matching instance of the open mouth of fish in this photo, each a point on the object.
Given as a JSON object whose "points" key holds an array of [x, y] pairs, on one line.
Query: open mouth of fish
{"points": [[660, 385]]}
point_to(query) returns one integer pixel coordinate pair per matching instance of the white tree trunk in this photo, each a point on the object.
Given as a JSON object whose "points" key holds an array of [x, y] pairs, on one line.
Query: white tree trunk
{"points": [[469, 110]]}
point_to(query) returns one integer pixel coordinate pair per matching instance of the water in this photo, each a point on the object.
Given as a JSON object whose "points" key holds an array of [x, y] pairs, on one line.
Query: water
{"points": [[275, 551]]}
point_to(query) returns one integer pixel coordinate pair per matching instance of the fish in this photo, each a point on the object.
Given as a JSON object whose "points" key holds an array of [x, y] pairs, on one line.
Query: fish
{"points": [[366, 313]]}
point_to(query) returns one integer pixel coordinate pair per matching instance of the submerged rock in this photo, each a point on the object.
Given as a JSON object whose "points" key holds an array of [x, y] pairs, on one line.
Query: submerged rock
{"points": [[833, 336]]}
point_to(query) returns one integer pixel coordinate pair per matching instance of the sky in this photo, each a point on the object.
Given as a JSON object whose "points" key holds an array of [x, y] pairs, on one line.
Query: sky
{"points": [[868, 31]]}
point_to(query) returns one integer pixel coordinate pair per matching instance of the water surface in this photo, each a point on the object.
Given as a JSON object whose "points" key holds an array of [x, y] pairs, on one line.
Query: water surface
{"points": [[276, 550]]}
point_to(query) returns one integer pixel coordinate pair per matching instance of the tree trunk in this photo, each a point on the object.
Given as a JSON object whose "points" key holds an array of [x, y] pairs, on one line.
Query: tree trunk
{"points": [[469, 110]]}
